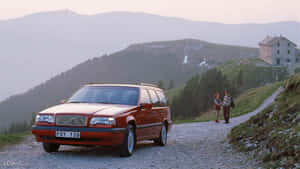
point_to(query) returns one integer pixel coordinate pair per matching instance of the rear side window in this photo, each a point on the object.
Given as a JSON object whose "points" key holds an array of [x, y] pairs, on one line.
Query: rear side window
{"points": [[155, 99], [145, 96], [163, 100]]}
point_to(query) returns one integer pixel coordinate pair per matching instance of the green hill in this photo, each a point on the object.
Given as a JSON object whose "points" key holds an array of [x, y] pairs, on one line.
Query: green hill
{"points": [[246, 102], [274, 134], [172, 93], [243, 74], [255, 72], [148, 62]]}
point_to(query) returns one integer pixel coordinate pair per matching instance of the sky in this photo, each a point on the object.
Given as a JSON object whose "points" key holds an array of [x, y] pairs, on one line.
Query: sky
{"points": [[224, 11]]}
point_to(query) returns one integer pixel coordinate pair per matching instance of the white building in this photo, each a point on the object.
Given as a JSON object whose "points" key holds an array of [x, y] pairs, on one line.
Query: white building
{"points": [[279, 51]]}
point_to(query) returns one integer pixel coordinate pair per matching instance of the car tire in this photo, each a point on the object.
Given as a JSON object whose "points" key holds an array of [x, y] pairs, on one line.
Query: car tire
{"points": [[50, 147], [129, 142], [162, 140]]}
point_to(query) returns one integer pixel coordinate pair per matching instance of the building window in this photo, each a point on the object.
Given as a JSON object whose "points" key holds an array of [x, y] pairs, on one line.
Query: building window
{"points": [[278, 44], [278, 52], [289, 51], [278, 61], [289, 44], [297, 60], [288, 60]]}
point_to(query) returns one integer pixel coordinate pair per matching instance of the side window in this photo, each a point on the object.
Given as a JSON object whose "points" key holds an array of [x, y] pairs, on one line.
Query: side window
{"points": [[155, 99], [163, 100], [144, 96]]}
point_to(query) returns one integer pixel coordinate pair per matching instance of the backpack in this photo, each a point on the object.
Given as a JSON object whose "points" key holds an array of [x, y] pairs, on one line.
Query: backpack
{"points": [[232, 105]]}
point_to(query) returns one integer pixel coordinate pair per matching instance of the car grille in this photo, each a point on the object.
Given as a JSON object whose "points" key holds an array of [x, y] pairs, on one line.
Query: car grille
{"points": [[71, 120]]}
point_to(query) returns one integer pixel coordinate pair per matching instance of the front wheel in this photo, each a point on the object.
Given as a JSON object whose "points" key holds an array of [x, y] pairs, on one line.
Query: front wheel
{"points": [[162, 140], [50, 147], [128, 145]]}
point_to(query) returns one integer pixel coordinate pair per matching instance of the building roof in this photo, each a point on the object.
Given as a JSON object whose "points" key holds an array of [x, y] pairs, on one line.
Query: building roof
{"points": [[270, 41]]}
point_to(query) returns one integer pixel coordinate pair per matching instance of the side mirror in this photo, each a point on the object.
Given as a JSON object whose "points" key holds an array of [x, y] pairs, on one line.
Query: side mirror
{"points": [[62, 102], [146, 106]]}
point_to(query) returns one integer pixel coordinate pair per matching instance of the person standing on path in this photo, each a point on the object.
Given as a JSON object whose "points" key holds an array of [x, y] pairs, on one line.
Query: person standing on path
{"points": [[227, 104], [218, 103]]}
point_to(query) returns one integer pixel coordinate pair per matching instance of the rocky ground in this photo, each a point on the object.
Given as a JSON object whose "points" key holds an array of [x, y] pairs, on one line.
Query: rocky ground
{"points": [[190, 146], [274, 134]]}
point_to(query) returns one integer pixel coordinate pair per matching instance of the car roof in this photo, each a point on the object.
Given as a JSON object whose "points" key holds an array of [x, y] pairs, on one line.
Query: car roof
{"points": [[126, 85]]}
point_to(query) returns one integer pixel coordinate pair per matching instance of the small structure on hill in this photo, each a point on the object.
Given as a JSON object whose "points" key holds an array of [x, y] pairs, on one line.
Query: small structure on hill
{"points": [[279, 51]]}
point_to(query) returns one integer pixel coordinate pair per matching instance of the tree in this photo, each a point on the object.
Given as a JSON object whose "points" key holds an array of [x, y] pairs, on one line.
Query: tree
{"points": [[198, 94], [160, 84], [239, 81], [171, 85]]}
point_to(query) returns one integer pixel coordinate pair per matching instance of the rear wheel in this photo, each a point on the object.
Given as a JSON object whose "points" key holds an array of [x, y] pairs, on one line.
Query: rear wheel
{"points": [[129, 142], [162, 140], [50, 147]]}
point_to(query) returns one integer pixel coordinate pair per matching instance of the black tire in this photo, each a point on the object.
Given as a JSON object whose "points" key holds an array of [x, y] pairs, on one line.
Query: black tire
{"points": [[129, 142], [162, 140], [50, 147]]}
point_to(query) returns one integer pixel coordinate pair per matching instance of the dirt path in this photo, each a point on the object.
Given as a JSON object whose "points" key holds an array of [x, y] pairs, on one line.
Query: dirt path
{"points": [[190, 146]]}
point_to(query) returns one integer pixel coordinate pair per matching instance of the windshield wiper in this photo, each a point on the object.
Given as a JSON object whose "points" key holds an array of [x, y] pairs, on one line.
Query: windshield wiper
{"points": [[107, 103]]}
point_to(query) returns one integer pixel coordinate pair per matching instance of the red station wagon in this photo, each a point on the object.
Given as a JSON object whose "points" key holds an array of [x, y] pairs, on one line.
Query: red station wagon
{"points": [[106, 115]]}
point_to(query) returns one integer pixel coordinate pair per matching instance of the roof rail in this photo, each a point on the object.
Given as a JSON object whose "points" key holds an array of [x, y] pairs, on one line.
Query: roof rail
{"points": [[148, 84]]}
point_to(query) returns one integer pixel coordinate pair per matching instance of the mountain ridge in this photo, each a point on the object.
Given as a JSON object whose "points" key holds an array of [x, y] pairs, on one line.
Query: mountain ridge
{"points": [[45, 44], [74, 13]]}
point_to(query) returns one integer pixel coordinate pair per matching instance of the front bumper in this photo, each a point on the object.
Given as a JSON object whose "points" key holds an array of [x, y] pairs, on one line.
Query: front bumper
{"points": [[88, 136]]}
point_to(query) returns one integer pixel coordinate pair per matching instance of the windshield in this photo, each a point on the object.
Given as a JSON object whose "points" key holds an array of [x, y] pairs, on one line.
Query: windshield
{"points": [[106, 95]]}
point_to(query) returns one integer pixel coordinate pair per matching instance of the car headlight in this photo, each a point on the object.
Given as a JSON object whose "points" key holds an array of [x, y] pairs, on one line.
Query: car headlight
{"points": [[103, 120], [45, 118]]}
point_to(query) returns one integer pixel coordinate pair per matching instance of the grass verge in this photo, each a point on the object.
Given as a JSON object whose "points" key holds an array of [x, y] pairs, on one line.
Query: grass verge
{"points": [[11, 139]]}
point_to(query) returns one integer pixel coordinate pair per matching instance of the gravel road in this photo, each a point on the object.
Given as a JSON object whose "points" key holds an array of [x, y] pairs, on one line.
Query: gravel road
{"points": [[190, 146]]}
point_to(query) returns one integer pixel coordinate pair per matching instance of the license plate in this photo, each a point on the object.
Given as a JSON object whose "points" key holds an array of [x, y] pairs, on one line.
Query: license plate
{"points": [[67, 134]]}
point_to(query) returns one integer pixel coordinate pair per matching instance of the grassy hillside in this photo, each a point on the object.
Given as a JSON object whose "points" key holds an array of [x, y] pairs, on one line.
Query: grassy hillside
{"points": [[172, 93], [245, 103], [274, 134], [255, 72], [149, 62], [244, 74]]}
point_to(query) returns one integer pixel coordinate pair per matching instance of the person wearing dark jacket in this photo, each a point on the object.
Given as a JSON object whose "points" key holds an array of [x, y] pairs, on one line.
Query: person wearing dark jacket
{"points": [[217, 105], [227, 104]]}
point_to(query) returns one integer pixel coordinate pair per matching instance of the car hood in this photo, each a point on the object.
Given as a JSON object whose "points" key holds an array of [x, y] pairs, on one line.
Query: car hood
{"points": [[90, 109]]}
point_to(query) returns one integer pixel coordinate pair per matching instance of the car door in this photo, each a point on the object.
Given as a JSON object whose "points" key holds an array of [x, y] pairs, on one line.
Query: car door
{"points": [[155, 116], [164, 109], [142, 116]]}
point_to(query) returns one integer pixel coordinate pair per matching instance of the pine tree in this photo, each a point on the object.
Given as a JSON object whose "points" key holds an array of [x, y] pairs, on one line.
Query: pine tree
{"points": [[160, 84], [197, 95], [239, 80], [171, 85]]}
